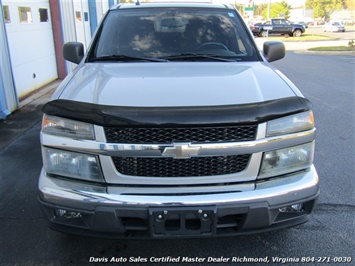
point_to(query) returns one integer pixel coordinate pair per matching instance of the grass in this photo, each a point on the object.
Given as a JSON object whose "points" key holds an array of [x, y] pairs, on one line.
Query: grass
{"points": [[315, 37], [333, 48]]}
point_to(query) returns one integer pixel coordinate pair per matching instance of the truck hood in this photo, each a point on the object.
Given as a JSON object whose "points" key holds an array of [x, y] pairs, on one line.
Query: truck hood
{"points": [[175, 84]]}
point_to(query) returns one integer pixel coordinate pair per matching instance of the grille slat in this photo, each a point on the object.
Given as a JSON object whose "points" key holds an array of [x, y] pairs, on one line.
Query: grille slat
{"points": [[186, 134], [169, 167]]}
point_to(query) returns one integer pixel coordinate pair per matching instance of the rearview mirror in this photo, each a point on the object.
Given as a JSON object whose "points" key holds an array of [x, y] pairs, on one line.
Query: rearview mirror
{"points": [[170, 24]]}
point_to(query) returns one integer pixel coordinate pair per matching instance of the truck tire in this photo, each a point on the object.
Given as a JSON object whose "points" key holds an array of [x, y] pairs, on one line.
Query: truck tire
{"points": [[297, 33], [263, 33]]}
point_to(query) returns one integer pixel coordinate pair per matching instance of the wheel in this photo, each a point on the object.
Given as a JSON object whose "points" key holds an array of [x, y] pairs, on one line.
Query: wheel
{"points": [[212, 45], [297, 33], [263, 33]]}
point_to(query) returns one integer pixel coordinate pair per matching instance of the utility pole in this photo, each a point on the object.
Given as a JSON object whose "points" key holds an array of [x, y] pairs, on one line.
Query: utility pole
{"points": [[304, 9], [268, 9]]}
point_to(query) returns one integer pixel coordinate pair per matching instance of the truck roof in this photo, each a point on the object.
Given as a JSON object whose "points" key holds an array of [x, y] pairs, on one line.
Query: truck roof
{"points": [[155, 4]]}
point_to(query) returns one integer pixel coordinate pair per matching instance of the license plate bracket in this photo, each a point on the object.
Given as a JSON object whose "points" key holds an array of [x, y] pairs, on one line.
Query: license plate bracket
{"points": [[182, 221]]}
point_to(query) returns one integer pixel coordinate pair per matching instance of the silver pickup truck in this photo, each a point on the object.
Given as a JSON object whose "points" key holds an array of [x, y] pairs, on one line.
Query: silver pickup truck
{"points": [[175, 125]]}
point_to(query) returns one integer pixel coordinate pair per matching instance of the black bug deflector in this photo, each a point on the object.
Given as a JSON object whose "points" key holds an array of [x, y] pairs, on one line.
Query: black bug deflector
{"points": [[253, 113]]}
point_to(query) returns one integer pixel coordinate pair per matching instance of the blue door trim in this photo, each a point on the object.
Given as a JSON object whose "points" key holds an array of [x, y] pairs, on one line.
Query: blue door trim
{"points": [[93, 16], [4, 112]]}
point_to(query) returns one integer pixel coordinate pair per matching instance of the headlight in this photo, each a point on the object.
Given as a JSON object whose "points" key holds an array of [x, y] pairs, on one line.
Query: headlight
{"points": [[63, 127], [287, 160], [290, 124], [71, 164]]}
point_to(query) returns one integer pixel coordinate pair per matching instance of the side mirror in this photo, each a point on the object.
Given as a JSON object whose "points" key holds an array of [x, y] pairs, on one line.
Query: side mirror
{"points": [[73, 52], [274, 50]]}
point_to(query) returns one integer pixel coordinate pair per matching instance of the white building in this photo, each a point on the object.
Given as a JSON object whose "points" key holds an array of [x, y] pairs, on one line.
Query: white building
{"points": [[32, 34], [301, 14]]}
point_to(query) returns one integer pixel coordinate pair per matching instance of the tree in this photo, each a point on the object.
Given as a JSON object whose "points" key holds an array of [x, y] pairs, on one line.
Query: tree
{"points": [[259, 9], [279, 9], [239, 7], [349, 4], [324, 8]]}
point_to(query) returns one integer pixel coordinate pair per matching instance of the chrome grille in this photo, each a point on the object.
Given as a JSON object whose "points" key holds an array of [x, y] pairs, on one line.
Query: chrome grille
{"points": [[185, 134], [169, 167]]}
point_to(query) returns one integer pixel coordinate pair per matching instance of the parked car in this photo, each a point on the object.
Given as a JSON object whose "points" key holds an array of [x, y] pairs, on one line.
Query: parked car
{"points": [[333, 26], [175, 125], [304, 24]]}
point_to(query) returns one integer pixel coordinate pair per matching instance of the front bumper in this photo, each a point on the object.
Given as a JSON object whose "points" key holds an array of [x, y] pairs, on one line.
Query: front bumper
{"points": [[76, 207]]}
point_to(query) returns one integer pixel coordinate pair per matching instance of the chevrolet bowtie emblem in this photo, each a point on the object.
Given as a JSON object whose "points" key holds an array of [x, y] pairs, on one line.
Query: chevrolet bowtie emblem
{"points": [[181, 151]]}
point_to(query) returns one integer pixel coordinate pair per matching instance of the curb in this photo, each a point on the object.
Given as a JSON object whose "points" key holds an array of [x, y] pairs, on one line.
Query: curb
{"points": [[40, 93], [296, 46], [28, 115], [352, 53]]}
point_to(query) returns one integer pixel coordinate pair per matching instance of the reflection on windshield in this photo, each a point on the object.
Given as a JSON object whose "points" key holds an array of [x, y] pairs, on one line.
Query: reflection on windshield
{"points": [[164, 32]]}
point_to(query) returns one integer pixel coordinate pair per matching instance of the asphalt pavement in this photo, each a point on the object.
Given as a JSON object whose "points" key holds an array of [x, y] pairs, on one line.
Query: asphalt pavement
{"points": [[28, 115]]}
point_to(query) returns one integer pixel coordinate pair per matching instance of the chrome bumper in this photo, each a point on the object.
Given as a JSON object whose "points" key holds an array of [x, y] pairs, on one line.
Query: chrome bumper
{"points": [[274, 192]]}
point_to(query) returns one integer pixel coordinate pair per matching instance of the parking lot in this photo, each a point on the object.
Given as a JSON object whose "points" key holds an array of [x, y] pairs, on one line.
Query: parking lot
{"points": [[348, 34]]}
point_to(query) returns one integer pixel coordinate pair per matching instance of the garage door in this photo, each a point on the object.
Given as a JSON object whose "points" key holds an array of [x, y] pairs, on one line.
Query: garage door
{"points": [[30, 40]]}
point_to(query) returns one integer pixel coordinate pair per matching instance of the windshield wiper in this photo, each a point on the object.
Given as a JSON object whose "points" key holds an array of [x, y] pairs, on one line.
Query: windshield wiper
{"points": [[125, 58], [200, 56]]}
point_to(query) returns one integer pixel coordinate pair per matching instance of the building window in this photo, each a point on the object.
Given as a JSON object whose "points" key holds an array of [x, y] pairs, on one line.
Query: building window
{"points": [[43, 14], [25, 14], [6, 14], [78, 15], [86, 16]]}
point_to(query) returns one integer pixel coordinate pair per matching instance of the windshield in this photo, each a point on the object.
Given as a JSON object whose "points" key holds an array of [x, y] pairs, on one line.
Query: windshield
{"points": [[173, 34]]}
